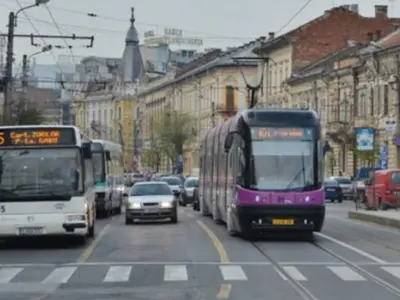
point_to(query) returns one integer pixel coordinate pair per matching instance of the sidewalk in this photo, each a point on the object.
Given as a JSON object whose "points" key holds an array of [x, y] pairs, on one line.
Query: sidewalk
{"points": [[390, 218]]}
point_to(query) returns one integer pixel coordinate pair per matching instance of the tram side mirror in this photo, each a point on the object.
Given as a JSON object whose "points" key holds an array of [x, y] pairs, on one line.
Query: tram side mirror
{"points": [[108, 155], [86, 151], [228, 142]]}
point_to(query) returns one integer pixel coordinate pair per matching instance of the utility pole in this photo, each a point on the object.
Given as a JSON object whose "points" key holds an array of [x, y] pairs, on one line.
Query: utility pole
{"points": [[7, 83], [8, 79]]}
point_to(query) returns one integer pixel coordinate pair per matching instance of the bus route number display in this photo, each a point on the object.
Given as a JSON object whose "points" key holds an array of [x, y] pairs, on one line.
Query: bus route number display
{"points": [[265, 133], [36, 137]]}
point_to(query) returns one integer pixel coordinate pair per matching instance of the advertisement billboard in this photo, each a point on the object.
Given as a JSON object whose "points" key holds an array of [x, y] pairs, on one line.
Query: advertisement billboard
{"points": [[155, 58], [171, 36], [365, 139]]}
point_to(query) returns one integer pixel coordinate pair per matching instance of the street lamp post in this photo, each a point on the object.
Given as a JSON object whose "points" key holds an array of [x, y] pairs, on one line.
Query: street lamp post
{"points": [[12, 18]]}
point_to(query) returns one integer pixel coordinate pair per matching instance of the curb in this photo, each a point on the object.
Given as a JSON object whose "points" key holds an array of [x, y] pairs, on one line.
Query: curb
{"points": [[385, 221]]}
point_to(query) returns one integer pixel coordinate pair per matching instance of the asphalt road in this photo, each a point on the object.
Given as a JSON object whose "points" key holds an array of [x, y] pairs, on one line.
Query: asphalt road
{"points": [[196, 259]]}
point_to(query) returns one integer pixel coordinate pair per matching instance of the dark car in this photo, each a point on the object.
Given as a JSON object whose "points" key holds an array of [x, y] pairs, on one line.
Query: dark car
{"points": [[333, 191], [188, 190]]}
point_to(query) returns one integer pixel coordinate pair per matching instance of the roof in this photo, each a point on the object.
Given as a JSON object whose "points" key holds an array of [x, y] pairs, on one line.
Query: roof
{"points": [[321, 66], [132, 62], [225, 59], [390, 40]]}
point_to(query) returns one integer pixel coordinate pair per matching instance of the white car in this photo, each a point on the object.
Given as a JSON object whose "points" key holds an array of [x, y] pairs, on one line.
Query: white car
{"points": [[150, 200]]}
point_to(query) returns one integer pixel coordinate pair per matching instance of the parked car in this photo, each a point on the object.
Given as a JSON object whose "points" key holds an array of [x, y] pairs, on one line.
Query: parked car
{"points": [[346, 185], [359, 179], [333, 191], [383, 189], [188, 191]]}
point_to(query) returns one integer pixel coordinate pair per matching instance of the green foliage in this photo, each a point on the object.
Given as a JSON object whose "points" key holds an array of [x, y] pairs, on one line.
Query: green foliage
{"points": [[151, 158], [24, 114], [367, 158], [173, 132]]}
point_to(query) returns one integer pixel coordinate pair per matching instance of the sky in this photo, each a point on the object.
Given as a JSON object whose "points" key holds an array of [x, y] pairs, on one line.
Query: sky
{"points": [[220, 23]]}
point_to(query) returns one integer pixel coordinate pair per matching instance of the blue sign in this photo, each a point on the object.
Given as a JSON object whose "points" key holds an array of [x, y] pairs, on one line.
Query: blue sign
{"points": [[383, 157], [365, 139]]}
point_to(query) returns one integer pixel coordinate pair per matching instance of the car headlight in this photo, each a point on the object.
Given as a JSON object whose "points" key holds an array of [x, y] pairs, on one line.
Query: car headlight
{"points": [[166, 204], [135, 205]]}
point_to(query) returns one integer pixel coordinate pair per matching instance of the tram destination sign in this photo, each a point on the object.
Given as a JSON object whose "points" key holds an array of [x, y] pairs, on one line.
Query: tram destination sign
{"points": [[23, 137], [270, 133]]}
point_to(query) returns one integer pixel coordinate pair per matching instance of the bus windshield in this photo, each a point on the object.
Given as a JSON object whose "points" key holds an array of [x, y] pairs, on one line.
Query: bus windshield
{"points": [[40, 174], [98, 165], [282, 165]]}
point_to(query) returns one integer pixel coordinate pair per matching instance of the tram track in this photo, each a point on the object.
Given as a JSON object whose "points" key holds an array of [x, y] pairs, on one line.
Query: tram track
{"points": [[304, 292]]}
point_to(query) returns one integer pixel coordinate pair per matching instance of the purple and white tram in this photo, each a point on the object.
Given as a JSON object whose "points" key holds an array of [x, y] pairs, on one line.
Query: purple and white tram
{"points": [[262, 170]]}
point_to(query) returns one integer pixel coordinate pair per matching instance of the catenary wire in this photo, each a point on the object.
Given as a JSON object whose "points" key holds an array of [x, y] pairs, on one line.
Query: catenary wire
{"points": [[93, 15], [294, 16]]}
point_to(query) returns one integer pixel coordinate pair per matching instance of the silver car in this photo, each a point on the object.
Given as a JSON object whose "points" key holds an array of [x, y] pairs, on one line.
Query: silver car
{"points": [[175, 183], [346, 185], [149, 200]]}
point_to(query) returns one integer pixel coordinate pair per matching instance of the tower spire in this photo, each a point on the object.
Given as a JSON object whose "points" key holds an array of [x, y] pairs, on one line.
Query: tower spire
{"points": [[132, 16]]}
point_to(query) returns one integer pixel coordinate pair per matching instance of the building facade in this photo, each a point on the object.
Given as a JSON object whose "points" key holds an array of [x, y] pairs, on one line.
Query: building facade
{"points": [[209, 89], [310, 42], [354, 88]]}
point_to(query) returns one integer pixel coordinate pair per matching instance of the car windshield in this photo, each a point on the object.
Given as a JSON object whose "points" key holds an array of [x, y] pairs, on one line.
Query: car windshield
{"points": [[343, 180], [98, 165], [331, 183], [191, 183], [283, 164], [150, 189], [40, 174], [171, 180]]}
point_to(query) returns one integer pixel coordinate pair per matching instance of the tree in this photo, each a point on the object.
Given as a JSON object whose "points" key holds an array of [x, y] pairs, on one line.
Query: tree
{"points": [[25, 113], [174, 132]]}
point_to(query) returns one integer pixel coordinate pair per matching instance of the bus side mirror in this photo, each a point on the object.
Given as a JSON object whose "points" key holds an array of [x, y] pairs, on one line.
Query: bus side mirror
{"points": [[108, 155], [228, 142], [86, 151]]}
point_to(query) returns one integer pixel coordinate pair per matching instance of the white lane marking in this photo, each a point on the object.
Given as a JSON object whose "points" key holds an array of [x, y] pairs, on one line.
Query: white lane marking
{"points": [[395, 271], [175, 273], [118, 274], [294, 273], [354, 249], [346, 274], [233, 273], [60, 275], [7, 274]]}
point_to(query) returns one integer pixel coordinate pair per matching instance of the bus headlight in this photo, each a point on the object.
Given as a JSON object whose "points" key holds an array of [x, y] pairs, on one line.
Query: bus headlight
{"points": [[135, 205], [166, 204]]}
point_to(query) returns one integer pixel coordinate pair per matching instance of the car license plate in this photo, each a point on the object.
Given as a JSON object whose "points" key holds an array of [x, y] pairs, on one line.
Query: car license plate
{"points": [[149, 210], [330, 190], [31, 230], [282, 221]]}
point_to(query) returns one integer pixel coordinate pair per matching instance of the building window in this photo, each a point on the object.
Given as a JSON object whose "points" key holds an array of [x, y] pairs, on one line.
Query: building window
{"points": [[229, 98], [119, 113], [385, 100], [371, 102]]}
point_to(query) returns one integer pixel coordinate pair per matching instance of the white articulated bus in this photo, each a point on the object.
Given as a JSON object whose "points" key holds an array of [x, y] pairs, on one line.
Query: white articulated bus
{"points": [[108, 159], [46, 182]]}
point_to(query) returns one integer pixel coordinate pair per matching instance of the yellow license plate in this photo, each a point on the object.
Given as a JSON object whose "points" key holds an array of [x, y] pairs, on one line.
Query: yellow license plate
{"points": [[282, 221]]}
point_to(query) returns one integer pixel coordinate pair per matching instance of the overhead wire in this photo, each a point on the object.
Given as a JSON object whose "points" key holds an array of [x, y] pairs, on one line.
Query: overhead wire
{"points": [[294, 16], [97, 16], [69, 47], [43, 40]]}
